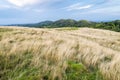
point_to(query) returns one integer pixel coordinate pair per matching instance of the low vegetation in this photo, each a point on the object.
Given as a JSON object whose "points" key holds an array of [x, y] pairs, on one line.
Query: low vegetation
{"points": [[59, 54], [110, 25], [5, 29]]}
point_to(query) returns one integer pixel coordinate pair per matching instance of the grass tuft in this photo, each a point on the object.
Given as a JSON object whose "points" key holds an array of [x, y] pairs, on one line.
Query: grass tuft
{"points": [[50, 54]]}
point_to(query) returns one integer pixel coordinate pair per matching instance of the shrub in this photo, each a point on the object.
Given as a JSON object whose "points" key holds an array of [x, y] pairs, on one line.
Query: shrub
{"points": [[77, 71]]}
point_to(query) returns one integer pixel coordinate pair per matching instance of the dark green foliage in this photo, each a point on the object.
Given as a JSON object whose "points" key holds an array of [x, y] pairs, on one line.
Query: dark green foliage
{"points": [[83, 23], [64, 23], [113, 25], [77, 71]]}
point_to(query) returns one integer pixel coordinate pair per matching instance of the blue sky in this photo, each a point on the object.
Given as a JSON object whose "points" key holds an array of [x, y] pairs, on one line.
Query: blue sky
{"points": [[31, 11]]}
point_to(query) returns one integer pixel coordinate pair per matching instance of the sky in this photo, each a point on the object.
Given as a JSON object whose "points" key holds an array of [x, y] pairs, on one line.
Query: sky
{"points": [[33, 11]]}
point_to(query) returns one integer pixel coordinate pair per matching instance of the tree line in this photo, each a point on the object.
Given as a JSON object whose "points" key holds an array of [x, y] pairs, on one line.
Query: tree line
{"points": [[111, 25]]}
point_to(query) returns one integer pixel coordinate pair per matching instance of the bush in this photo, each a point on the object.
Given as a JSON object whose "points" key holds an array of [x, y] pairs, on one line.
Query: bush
{"points": [[77, 71]]}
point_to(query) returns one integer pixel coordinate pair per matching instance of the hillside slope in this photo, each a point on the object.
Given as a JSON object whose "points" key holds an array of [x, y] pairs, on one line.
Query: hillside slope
{"points": [[59, 54], [110, 25]]}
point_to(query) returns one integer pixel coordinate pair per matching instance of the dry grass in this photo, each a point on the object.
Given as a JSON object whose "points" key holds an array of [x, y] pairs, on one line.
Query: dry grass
{"points": [[52, 48]]}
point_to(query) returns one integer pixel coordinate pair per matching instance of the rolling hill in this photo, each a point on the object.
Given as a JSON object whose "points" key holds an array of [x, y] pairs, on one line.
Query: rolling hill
{"points": [[109, 25], [59, 54]]}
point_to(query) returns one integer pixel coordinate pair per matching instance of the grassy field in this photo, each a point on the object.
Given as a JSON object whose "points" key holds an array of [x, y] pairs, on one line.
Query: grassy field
{"points": [[59, 54]]}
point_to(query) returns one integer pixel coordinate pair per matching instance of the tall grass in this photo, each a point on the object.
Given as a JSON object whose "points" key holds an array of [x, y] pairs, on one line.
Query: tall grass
{"points": [[52, 54]]}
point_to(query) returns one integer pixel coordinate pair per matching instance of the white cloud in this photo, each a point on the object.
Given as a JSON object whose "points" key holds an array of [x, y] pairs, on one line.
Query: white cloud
{"points": [[107, 10], [77, 6], [22, 3]]}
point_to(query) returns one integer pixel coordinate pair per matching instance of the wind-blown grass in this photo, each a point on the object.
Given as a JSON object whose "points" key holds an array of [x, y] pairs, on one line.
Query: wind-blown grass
{"points": [[58, 54]]}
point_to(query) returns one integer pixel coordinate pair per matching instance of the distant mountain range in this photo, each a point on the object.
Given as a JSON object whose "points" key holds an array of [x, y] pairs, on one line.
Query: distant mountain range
{"points": [[58, 23], [112, 25]]}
